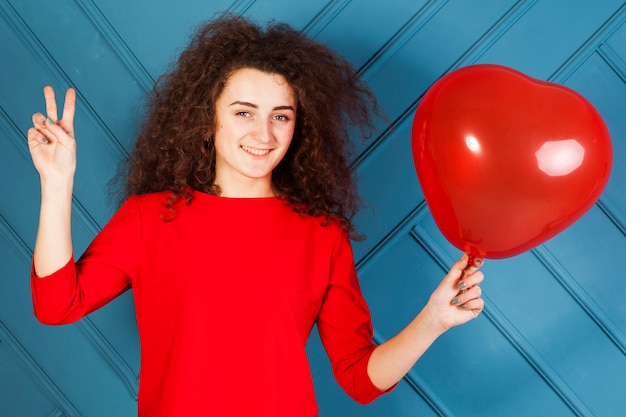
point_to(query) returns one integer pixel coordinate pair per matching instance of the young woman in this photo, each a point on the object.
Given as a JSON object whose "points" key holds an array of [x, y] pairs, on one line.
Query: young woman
{"points": [[234, 233]]}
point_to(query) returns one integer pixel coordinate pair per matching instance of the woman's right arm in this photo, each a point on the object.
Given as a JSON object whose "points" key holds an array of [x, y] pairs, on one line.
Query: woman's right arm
{"points": [[53, 150]]}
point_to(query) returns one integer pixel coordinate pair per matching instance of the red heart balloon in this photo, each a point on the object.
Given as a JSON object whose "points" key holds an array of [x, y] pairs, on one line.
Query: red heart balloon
{"points": [[506, 161]]}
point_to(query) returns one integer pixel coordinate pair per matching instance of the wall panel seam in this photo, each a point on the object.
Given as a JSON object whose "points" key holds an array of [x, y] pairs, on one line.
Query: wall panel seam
{"points": [[582, 297], [324, 17], [402, 36], [23, 31], [56, 413], [78, 210], [11, 236], [613, 60], [473, 54], [470, 56], [240, 6], [422, 388], [117, 43], [107, 351], [418, 384], [37, 372], [121, 48], [111, 355], [398, 230], [511, 333], [612, 212], [589, 47]]}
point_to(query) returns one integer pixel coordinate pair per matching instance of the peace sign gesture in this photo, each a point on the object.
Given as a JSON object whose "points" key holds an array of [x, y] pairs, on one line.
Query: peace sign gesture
{"points": [[51, 140]]}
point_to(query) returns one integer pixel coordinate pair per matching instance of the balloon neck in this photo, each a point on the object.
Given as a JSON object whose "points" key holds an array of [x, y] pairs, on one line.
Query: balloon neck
{"points": [[473, 260]]}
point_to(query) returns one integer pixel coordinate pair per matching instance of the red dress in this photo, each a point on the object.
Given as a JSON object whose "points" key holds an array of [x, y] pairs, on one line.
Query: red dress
{"points": [[226, 295]]}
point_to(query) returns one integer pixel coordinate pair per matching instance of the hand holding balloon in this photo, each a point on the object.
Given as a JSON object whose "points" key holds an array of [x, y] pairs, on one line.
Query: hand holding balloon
{"points": [[506, 161], [457, 299]]}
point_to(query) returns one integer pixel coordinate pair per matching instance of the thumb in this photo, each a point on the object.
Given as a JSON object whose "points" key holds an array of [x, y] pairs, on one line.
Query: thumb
{"points": [[458, 268], [56, 133]]}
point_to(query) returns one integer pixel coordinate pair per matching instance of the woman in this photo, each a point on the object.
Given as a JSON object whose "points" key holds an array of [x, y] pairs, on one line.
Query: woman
{"points": [[234, 233]]}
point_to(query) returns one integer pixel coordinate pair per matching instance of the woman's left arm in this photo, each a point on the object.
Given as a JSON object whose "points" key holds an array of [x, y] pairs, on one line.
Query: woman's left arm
{"points": [[455, 301]]}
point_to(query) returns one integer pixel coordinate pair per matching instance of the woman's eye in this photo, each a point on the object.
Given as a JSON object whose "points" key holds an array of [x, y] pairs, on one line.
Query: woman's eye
{"points": [[242, 114], [281, 117]]}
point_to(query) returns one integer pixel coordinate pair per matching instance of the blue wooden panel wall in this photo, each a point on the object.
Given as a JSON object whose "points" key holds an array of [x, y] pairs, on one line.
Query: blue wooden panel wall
{"points": [[552, 340]]}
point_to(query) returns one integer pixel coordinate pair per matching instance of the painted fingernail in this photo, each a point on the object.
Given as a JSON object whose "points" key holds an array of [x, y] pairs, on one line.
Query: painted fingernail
{"points": [[463, 306], [455, 301], [44, 140], [49, 121], [462, 285]]}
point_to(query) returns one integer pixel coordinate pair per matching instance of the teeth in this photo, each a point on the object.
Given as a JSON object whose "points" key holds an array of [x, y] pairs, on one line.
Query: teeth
{"points": [[255, 151]]}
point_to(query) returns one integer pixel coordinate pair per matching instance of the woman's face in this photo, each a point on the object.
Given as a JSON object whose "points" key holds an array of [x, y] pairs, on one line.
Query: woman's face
{"points": [[255, 120]]}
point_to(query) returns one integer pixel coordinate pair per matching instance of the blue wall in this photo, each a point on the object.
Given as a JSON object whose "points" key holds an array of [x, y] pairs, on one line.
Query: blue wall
{"points": [[552, 340]]}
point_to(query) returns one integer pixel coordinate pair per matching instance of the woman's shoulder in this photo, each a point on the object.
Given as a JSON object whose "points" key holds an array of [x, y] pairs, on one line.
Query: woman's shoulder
{"points": [[320, 222], [161, 197], [147, 200], [144, 205]]}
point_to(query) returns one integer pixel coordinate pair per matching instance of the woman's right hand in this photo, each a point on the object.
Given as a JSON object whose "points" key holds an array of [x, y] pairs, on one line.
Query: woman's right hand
{"points": [[51, 141], [53, 149]]}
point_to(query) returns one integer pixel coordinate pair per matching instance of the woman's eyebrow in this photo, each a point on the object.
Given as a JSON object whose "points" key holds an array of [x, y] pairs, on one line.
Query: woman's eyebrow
{"points": [[254, 106], [287, 107], [244, 103]]}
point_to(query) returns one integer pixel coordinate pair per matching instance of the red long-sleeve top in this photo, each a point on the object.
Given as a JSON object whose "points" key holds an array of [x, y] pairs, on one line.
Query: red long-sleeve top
{"points": [[226, 295]]}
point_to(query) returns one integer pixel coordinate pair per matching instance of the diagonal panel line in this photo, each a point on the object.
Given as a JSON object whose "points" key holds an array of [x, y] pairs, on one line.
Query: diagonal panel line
{"points": [[121, 48], [512, 334], [109, 353], [422, 388], [594, 44], [612, 212], [86, 325], [20, 247], [47, 60], [399, 230], [582, 297], [591, 46], [472, 55], [240, 6], [56, 413], [613, 60], [37, 372], [126, 55], [324, 17], [402, 36], [413, 379], [493, 34]]}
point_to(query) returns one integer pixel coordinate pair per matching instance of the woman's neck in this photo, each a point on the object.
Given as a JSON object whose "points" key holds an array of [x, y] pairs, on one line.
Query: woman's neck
{"points": [[252, 188]]}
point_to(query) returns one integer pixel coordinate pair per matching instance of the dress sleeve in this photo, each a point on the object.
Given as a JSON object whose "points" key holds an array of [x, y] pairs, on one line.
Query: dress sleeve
{"points": [[103, 272], [345, 327]]}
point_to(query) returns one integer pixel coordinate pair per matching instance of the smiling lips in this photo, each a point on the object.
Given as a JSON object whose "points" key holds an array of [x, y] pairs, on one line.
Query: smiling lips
{"points": [[255, 151]]}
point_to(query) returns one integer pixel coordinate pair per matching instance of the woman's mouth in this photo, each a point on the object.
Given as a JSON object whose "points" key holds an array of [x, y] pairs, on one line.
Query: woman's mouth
{"points": [[255, 151]]}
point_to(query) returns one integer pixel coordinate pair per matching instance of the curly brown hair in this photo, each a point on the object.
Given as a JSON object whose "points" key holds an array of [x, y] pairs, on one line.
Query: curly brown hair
{"points": [[173, 151]]}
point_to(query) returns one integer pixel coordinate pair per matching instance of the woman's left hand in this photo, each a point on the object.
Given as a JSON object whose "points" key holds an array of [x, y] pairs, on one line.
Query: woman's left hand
{"points": [[457, 299]]}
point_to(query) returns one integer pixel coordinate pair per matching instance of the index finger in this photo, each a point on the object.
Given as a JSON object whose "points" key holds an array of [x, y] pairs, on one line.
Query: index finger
{"points": [[473, 264], [457, 270], [468, 261], [51, 104]]}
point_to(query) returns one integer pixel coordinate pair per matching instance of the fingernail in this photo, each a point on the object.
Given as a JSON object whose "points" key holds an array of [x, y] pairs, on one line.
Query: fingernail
{"points": [[49, 121], [463, 305], [455, 301], [462, 285], [44, 140]]}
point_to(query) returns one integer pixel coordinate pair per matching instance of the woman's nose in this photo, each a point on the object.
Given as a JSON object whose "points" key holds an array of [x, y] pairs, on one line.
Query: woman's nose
{"points": [[262, 131]]}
